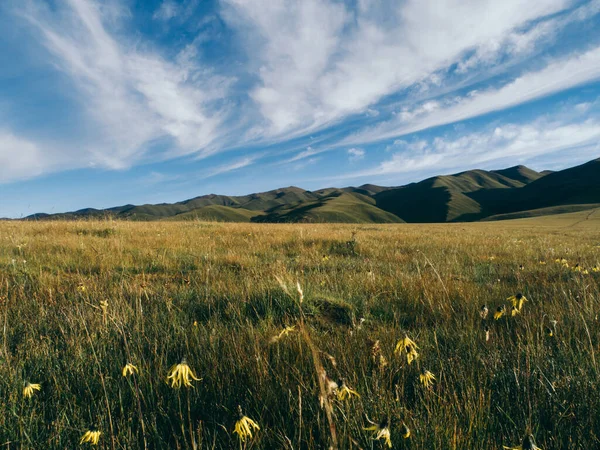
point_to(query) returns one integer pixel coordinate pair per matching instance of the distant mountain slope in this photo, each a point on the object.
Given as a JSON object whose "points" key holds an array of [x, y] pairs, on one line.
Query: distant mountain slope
{"points": [[520, 173], [467, 196], [574, 186], [445, 198], [336, 207]]}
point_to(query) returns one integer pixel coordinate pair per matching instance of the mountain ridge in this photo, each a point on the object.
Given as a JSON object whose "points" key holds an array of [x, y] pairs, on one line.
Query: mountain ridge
{"points": [[466, 196]]}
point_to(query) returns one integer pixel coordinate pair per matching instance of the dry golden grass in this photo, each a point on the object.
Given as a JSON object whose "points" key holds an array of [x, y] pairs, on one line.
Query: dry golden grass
{"points": [[209, 293]]}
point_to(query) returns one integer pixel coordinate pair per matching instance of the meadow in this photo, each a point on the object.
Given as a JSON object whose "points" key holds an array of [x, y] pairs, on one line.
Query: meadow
{"points": [[269, 316]]}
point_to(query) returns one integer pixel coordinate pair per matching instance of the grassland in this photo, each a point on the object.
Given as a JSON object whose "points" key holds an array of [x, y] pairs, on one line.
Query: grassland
{"points": [[208, 292]]}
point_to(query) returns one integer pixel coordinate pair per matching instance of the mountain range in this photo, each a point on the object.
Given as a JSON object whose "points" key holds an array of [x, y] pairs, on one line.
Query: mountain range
{"points": [[463, 197]]}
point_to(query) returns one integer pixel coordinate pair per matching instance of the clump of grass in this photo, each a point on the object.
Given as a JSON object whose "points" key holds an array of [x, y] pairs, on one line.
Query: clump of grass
{"points": [[101, 232], [331, 311]]}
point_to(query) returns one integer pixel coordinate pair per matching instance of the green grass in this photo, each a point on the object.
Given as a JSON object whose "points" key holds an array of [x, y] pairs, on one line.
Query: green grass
{"points": [[551, 211], [209, 292]]}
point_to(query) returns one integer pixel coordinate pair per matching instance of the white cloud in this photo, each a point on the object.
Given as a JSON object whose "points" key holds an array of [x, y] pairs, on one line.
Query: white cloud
{"points": [[135, 100], [318, 61], [166, 11], [356, 154], [524, 42], [310, 64], [555, 77], [509, 144], [19, 158], [304, 154], [293, 42], [171, 9], [235, 165]]}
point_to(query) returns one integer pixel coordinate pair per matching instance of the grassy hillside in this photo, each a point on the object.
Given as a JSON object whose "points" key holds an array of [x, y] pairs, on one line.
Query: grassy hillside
{"points": [[80, 300], [551, 212], [521, 173], [573, 186], [444, 198], [463, 197], [337, 207]]}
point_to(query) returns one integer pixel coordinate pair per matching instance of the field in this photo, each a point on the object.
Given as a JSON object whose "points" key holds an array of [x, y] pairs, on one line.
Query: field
{"points": [[79, 300]]}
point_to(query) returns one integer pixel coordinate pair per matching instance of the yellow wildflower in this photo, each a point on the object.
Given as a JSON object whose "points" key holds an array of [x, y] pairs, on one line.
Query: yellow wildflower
{"points": [[283, 333], [409, 347], [344, 392], [517, 300], [499, 312], [427, 378], [181, 374], [514, 311], [245, 426], [30, 388], [81, 287], [129, 369], [381, 431], [595, 269], [542, 263], [92, 436]]}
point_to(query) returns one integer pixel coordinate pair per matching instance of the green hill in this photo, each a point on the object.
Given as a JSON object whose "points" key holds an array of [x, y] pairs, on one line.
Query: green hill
{"points": [[549, 211], [574, 186], [337, 207], [472, 195], [446, 198], [520, 173]]}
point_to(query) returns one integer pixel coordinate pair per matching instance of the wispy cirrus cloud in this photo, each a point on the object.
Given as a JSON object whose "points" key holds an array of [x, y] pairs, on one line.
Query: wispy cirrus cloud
{"points": [[136, 102], [287, 79], [504, 145], [171, 9], [320, 61], [355, 154], [166, 11], [555, 77], [231, 166]]}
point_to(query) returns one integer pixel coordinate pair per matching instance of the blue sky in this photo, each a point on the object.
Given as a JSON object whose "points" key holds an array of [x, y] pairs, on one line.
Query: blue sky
{"points": [[109, 102]]}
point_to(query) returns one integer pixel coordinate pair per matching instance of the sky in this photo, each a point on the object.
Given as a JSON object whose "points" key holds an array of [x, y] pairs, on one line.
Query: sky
{"points": [[112, 102]]}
